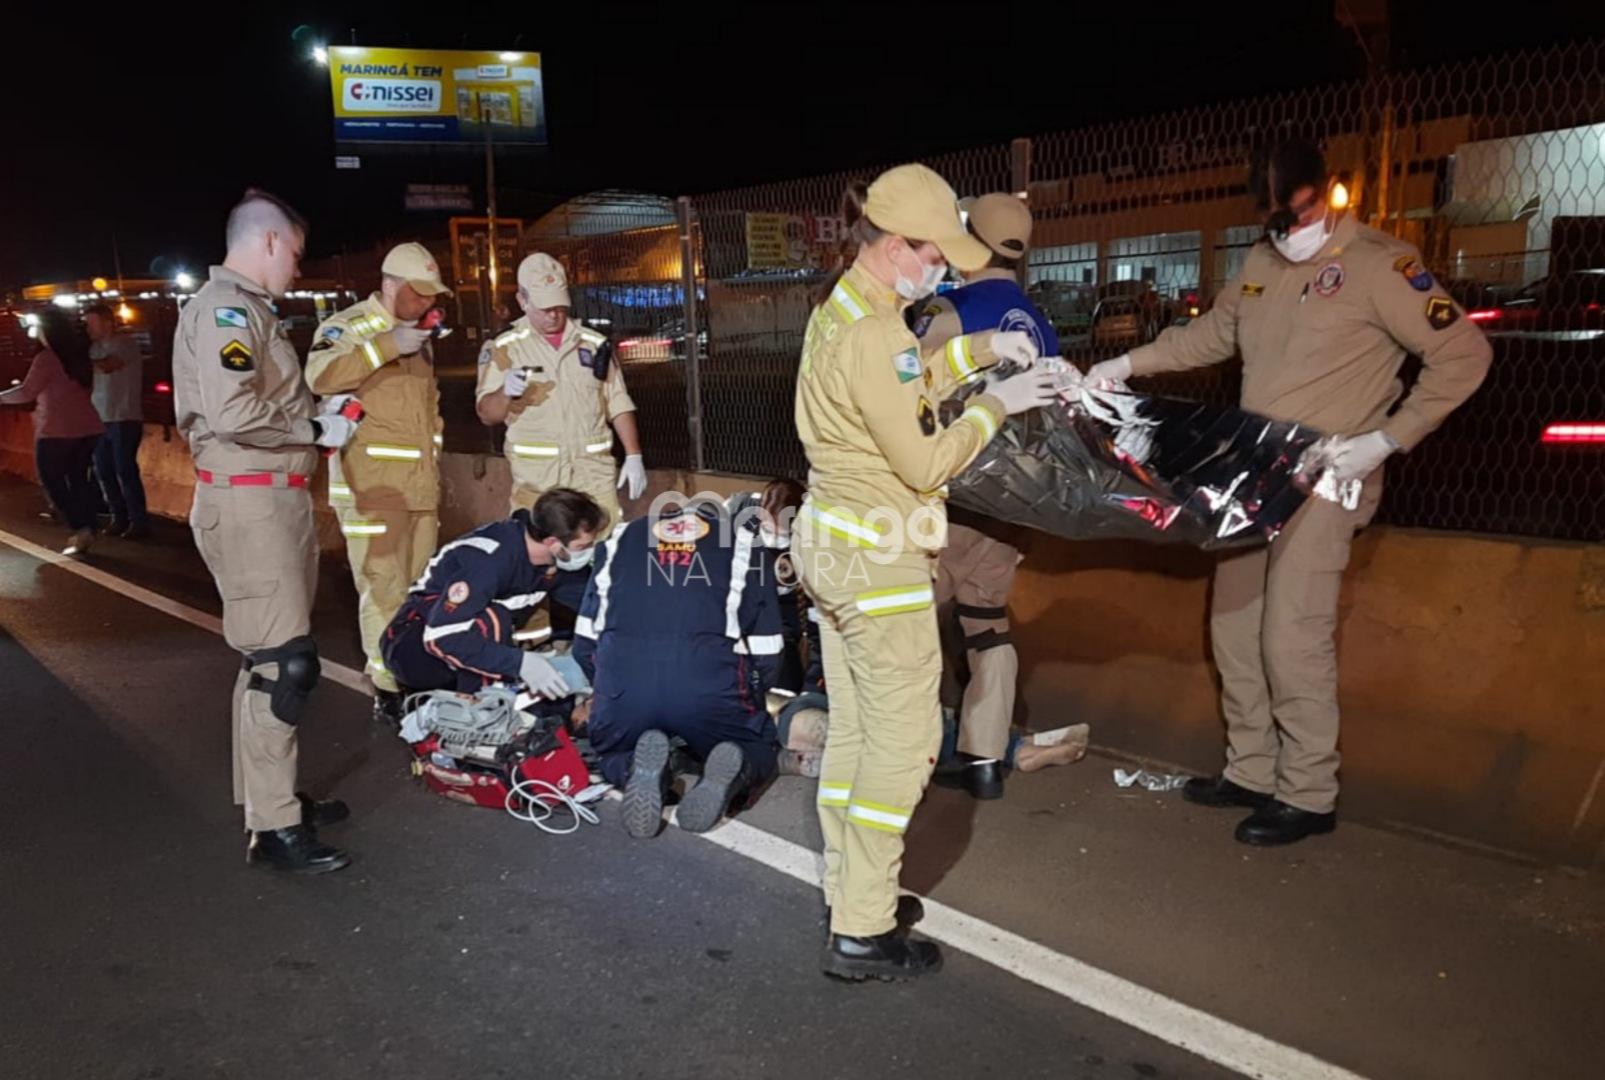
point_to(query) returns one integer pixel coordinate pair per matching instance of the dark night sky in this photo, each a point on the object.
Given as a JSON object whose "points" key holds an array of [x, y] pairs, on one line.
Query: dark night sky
{"points": [[149, 124]]}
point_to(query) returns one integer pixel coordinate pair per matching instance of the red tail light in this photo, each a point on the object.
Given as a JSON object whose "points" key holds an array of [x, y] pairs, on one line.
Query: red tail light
{"points": [[164, 387], [1484, 315], [1574, 433]]}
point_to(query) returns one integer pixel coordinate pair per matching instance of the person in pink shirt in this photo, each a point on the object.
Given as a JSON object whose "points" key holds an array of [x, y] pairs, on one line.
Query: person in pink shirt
{"points": [[66, 426]]}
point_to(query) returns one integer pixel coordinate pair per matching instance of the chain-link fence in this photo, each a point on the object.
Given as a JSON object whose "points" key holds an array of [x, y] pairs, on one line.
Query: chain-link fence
{"points": [[1494, 169]]}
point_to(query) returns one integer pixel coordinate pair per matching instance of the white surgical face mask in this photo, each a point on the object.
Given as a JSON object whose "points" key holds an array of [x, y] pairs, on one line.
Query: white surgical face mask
{"points": [[573, 560], [930, 278], [1303, 245]]}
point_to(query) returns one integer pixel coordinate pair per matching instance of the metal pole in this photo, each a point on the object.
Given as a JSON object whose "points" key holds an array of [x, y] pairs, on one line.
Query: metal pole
{"points": [[1020, 183], [490, 230], [693, 367]]}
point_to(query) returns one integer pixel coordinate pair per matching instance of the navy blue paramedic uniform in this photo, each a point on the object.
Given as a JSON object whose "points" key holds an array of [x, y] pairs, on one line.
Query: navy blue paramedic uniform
{"points": [[1000, 304], [455, 629], [678, 632], [777, 574]]}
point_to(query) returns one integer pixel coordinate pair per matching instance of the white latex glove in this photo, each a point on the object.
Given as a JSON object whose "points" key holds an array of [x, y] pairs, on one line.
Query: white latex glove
{"points": [[335, 404], [409, 338], [634, 474], [333, 431], [515, 382], [1358, 456], [1023, 392], [1066, 376], [1014, 345], [1111, 374], [541, 677]]}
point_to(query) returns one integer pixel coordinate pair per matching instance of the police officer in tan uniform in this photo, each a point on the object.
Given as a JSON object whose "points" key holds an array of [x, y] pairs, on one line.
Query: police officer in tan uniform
{"points": [[385, 485], [867, 409], [1323, 313], [254, 434], [557, 386]]}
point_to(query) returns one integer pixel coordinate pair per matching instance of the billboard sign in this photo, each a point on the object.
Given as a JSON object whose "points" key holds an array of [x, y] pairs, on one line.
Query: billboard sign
{"points": [[436, 95]]}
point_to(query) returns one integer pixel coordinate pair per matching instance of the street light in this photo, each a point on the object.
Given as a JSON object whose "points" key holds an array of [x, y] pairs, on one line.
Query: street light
{"points": [[183, 280], [320, 55]]}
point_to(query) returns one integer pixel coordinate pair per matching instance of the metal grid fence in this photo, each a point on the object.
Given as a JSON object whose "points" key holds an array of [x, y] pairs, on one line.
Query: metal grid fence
{"points": [[1494, 169]]}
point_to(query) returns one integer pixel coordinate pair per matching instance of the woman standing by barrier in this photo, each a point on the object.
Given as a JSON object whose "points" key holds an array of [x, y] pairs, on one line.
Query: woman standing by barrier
{"points": [[867, 410], [66, 426]]}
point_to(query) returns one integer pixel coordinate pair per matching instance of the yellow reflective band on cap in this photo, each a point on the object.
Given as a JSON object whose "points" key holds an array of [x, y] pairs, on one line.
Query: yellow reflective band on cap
{"points": [[895, 601], [363, 528], [981, 417], [393, 453], [536, 449], [876, 816], [834, 794]]}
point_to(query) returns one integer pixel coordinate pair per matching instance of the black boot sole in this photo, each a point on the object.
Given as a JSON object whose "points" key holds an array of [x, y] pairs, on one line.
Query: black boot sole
{"points": [[643, 795], [304, 869], [706, 803], [1284, 839], [1252, 801], [850, 970]]}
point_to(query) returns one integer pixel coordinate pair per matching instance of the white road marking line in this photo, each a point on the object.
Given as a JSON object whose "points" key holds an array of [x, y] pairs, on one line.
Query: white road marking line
{"points": [[1210, 1037], [332, 671]]}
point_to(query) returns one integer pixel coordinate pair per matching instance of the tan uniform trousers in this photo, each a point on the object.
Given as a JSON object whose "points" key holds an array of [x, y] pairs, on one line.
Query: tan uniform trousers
{"points": [[1273, 620], [260, 546], [388, 550], [974, 574], [593, 474], [883, 668]]}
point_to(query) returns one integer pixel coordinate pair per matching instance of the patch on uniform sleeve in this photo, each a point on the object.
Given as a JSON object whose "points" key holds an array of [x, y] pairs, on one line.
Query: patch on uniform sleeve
{"points": [[237, 356], [1253, 288], [927, 417], [332, 333], [1441, 312], [1413, 272], [922, 321], [232, 318], [456, 595], [908, 365]]}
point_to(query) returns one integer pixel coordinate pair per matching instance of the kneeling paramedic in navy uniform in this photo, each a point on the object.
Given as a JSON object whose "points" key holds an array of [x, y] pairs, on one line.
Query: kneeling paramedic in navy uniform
{"points": [[455, 630], [680, 636]]}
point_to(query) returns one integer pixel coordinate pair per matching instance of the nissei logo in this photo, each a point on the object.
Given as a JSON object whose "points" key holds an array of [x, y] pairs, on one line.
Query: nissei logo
{"points": [[493, 71], [392, 95]]}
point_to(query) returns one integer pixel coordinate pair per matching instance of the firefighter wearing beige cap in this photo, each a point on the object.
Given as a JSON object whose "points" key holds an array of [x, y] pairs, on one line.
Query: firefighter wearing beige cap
{"points": [[558, 387], [868, 411], [977, 566], [385, 485]]}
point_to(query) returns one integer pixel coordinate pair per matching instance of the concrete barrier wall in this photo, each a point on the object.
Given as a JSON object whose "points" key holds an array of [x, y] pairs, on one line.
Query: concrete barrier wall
{"points": [[1473, 669]]}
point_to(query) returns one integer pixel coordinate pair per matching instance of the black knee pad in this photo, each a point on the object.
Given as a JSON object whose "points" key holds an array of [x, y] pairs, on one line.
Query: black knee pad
{"points": [[299, 671]]}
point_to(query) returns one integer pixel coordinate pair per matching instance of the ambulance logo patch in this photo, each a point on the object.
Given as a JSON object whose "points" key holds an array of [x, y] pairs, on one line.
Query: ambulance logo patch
{"points": [[685, 529], [1329, 280], [908, 365], [232, 318], [1441, 312], [1253, 288], [457, 593], [237, 356], [1413, 272]]}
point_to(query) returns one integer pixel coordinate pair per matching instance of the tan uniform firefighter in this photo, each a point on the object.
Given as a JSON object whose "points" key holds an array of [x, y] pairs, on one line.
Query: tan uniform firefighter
{"points": [[977, 566], [866, 541], [385, 485], [558, 388], [254, 433], [1322, 312]]}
